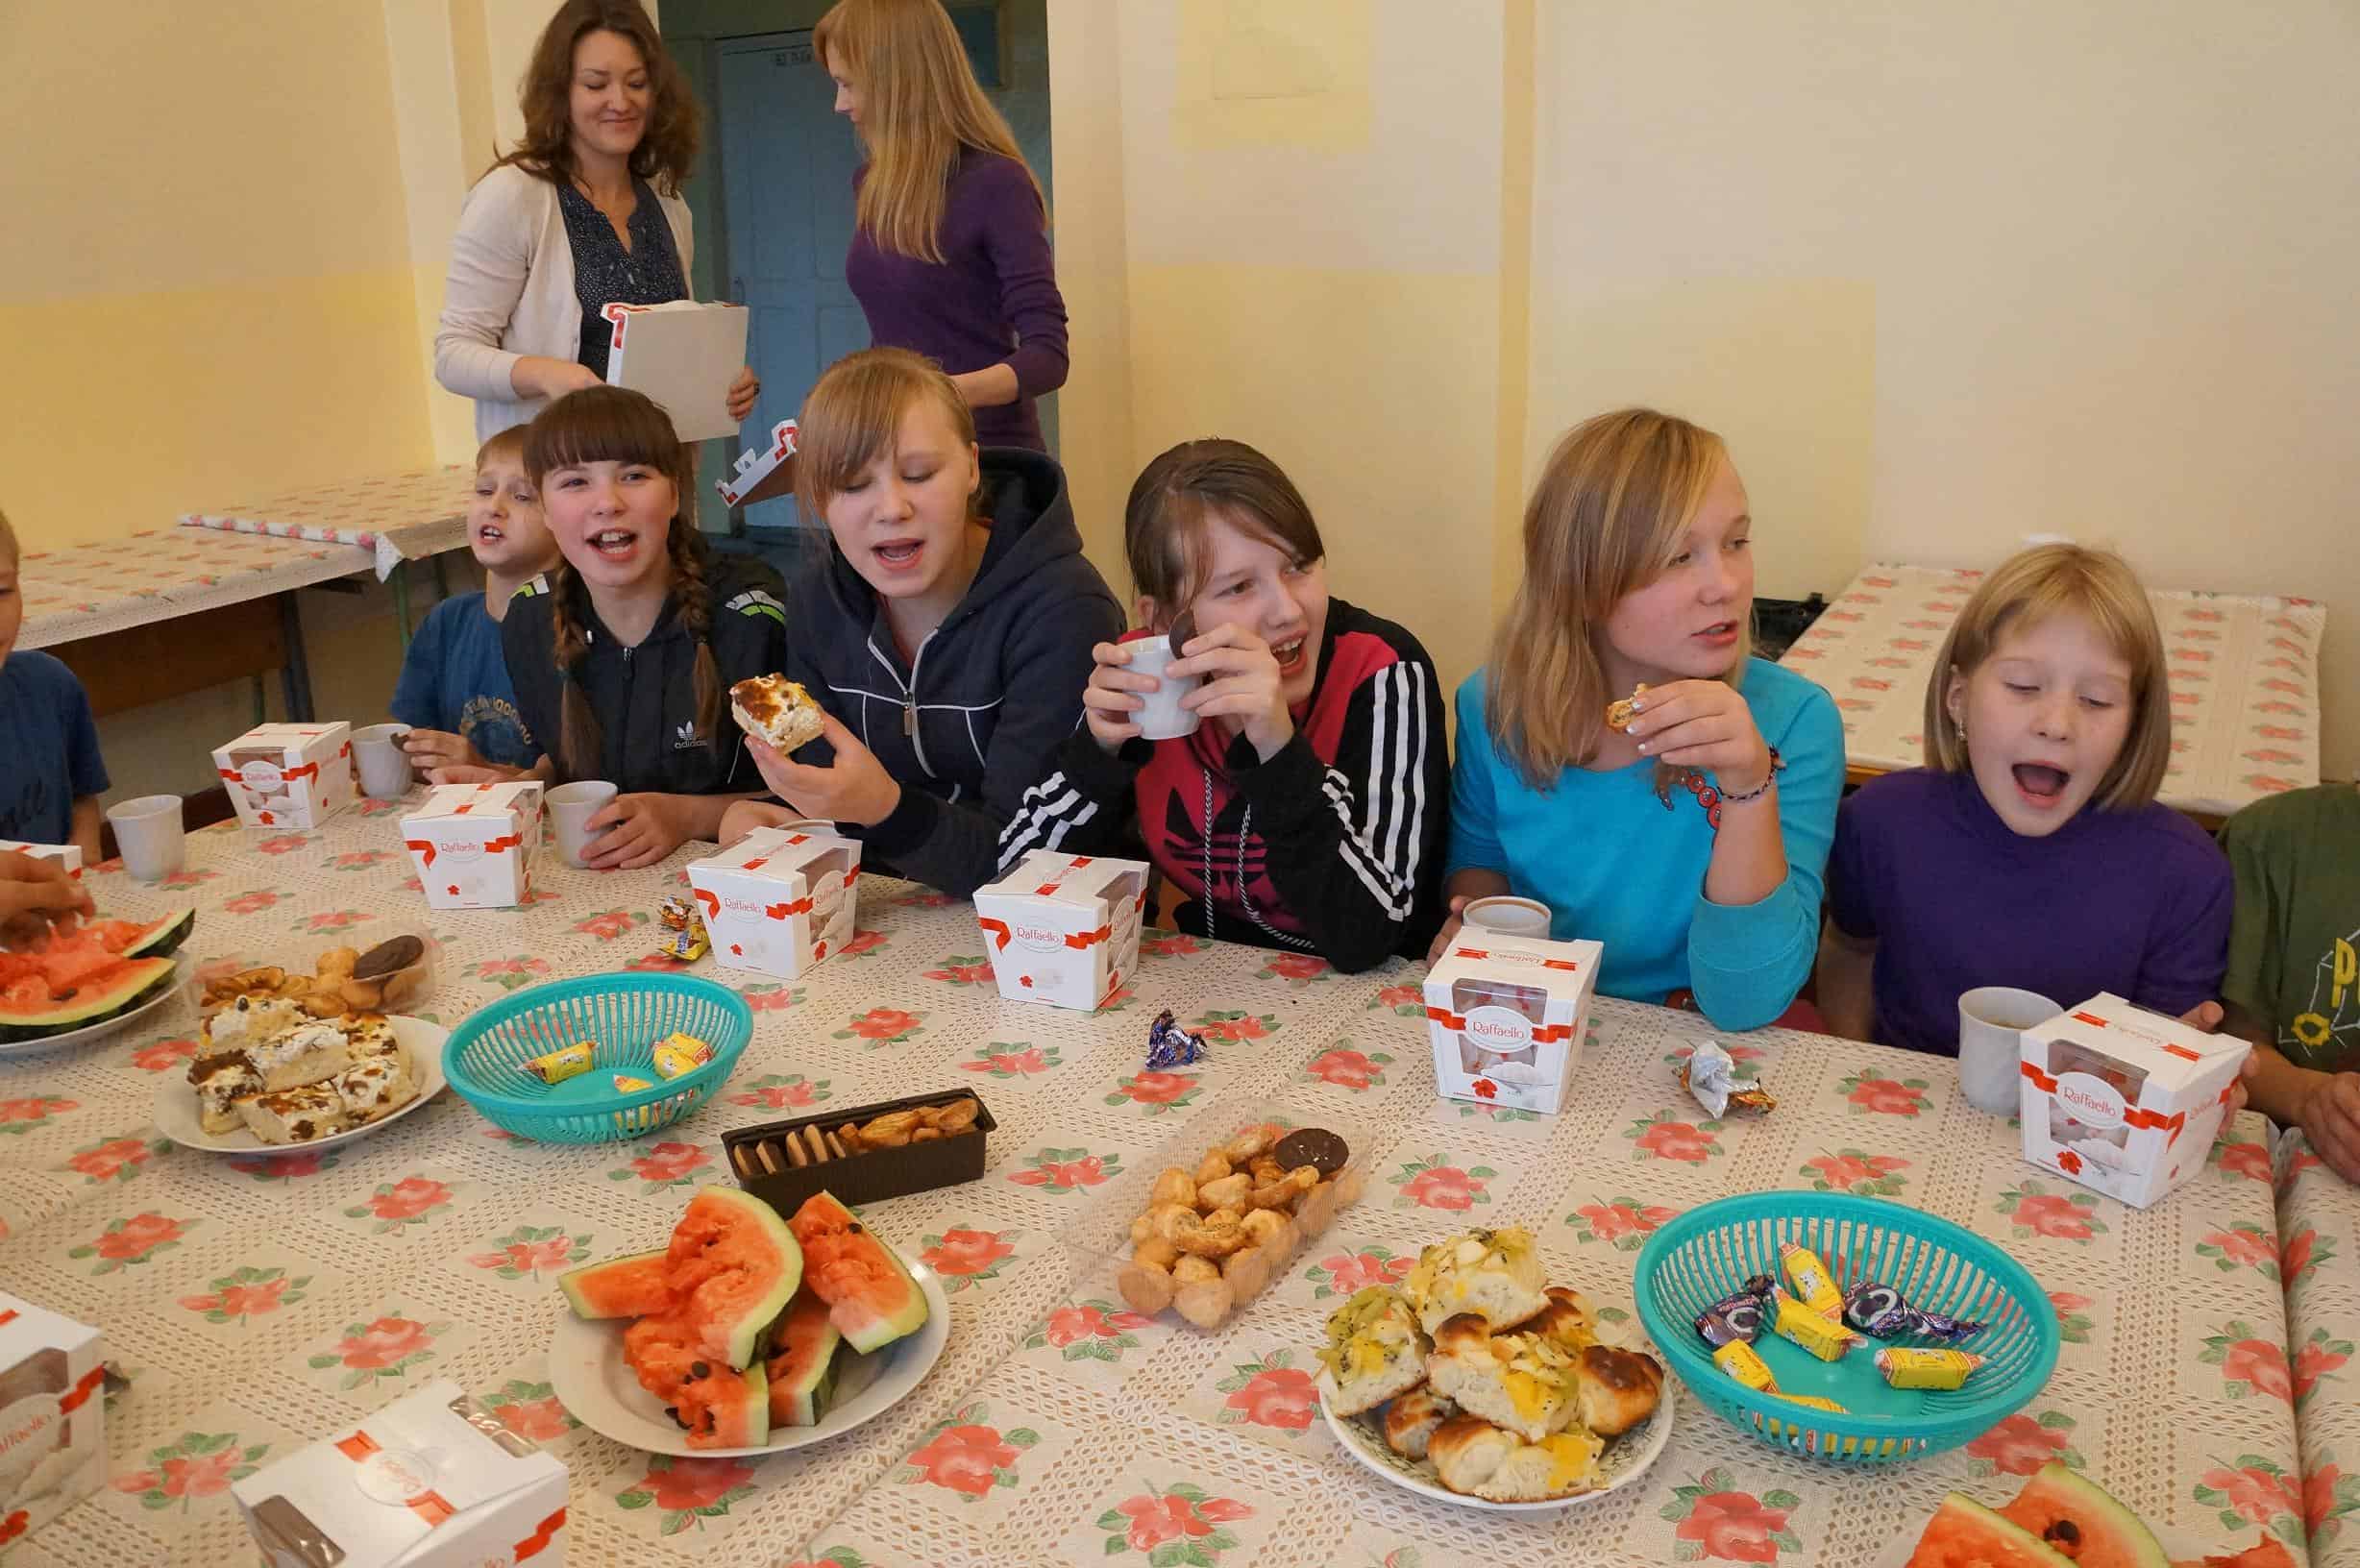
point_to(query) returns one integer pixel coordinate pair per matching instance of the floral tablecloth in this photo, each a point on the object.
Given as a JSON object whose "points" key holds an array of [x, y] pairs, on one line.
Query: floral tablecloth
{"points": [[2245, 679], [397, 518], [256, 1302], [2319, 1266], [113, 584]]}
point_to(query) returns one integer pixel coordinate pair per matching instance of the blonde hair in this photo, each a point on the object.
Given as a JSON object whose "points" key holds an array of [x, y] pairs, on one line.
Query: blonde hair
{"points": [[508, 443], [2026, 590], [853, 416], [1607, 517], [920, 106]]}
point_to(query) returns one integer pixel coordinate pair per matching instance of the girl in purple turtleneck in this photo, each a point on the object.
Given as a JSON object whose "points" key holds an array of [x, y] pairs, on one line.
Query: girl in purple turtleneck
{"points": [[950, 250]]}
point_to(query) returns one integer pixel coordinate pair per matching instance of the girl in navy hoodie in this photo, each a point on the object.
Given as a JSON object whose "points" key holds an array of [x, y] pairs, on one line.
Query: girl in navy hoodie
{"points": [[1308, 809], [948, 634]]}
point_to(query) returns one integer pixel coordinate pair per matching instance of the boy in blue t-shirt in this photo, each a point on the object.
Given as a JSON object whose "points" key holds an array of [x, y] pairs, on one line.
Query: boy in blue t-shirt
{"points": [[51, 775], [454, 692]]}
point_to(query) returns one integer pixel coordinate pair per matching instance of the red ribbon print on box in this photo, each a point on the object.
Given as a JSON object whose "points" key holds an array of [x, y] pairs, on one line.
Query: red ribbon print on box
{"points": [[531, 1546], [428, 1505], [2132, 1116], [997, 928], [1542, 1036]]}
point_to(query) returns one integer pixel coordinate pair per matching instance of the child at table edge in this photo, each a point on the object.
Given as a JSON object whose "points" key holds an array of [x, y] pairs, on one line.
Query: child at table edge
{"points": [[2030, 850], [2293, 985], [1326, 778], [623, 666], [52, 774], [454, 692], [1690, 844]]}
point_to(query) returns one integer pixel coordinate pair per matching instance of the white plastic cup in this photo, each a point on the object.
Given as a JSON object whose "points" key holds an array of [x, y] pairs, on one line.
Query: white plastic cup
{"points": [[1161, 717], [1506, 917], [570, 807], [149, 832], [384, 767], [1991, 1023]]}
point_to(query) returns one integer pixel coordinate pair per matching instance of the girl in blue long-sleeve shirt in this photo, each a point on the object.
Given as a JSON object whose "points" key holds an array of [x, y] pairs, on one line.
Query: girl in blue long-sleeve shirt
{"points": [[1692, 842]]}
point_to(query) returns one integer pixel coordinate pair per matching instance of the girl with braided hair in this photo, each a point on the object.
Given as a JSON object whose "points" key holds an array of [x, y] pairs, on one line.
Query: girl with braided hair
{"points": [[626, 662]]}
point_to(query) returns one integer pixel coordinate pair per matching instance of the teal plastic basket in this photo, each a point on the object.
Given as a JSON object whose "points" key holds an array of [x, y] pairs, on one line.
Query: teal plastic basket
{"points": [[623, 1015], [1710, 1253]]}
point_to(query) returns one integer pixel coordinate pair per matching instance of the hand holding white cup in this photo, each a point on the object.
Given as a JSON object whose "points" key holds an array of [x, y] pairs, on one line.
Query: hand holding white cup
{"points": [[384, 766], [570, 807]]}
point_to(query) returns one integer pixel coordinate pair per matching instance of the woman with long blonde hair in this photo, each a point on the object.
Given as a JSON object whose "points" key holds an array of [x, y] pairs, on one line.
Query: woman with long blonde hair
{"points": [[1622, 759], [950, 252]]}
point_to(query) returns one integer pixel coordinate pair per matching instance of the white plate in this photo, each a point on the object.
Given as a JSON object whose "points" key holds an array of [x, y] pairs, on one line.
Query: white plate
{"points": [[176, 1102], [588, 1375], [92, 1031], [1625, 1460]]}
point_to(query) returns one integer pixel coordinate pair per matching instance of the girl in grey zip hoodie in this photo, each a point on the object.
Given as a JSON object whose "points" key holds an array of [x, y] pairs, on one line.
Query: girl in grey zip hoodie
{"points": [[936, 725]]}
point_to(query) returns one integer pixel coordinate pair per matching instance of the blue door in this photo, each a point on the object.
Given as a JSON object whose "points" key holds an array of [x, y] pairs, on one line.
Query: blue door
{"points": [[787, 162]]}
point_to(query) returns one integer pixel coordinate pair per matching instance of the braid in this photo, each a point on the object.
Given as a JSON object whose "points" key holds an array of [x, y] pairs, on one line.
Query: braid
{"points": [[579, 742], [689, 559]]}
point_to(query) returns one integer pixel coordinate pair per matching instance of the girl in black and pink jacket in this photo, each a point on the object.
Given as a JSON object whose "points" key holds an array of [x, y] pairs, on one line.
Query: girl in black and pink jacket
{"points": [[1308, 810]]}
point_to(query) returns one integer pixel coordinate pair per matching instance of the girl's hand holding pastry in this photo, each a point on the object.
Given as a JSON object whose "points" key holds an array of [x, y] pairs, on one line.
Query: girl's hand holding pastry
{"points": [[1704, 725], [852, 788]]}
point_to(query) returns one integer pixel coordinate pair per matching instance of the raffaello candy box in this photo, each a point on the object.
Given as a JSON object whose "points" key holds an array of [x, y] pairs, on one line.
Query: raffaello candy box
{"points": [[2125, 1101], [474, 845], [1063, 930], [431, 1480], [67, 855], [779, 899], [1504, 1016], [53, 1415], [289, 775]]}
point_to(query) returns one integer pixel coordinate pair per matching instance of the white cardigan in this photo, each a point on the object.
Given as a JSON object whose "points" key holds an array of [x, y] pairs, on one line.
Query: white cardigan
{"points": [[510, 292]]}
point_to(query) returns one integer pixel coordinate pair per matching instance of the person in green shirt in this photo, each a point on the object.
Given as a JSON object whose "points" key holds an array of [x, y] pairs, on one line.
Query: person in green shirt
{"points": [[2293, 985]]}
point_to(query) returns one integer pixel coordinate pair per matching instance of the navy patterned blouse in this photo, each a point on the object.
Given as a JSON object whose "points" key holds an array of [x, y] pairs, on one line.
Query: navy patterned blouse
{"points": [[605, 273]]}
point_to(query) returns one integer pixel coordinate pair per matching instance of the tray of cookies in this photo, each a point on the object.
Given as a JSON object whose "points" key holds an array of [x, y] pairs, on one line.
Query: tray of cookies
{"points": [[866, 1154]]}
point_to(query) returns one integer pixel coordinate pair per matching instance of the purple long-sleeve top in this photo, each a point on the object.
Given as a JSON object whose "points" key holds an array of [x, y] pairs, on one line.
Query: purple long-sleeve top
{"points": [[992, 300]]}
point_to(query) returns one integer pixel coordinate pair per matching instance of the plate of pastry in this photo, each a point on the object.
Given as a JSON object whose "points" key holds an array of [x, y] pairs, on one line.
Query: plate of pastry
{"points": [[1477, 1382], [269, 1075]]}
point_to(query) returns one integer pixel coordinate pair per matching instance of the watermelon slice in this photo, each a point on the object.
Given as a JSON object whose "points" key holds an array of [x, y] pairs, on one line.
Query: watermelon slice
{"points": [[870, 1296], [2076, 1517], [2267, 1552], [732, 1266], [1963, 1534], [716, 1405], [639, 1286], [803, 1369]]}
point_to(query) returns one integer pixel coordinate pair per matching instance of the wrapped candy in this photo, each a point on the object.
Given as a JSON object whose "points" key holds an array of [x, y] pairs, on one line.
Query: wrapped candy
{"points": [[1810, 1281], [677, 1053], [1879, 1312], [1712, 1075], [1169, 1047], [1739, 1317], [565, 1062], [1742, 1361], [684, 936], [1944, 1369], [1823, 1336]]}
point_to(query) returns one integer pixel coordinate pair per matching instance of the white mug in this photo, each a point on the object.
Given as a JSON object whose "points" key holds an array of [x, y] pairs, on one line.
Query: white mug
{"points": [[1991, 1023], [149, 834], [1506, 917], [384, 767], [1159, 716], [570, 807]]}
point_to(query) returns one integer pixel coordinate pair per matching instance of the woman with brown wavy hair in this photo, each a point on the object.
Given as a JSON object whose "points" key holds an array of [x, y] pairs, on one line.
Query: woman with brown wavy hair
{"points": [[584, 211], [951, 249]]}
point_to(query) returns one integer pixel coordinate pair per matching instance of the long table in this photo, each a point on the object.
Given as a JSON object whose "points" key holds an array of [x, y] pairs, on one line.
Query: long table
{"points": [[258, 1303]]}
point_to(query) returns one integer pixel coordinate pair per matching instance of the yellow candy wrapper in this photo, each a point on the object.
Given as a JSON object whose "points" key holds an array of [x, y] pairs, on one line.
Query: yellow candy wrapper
{"points": [[1944, 1369], [565, 1062], [626, 1083], [1809, 1277], [639, 1118], [1825, 1337], [1815, 1403], [1740, 1360], [677, 1054], [683, 928]]}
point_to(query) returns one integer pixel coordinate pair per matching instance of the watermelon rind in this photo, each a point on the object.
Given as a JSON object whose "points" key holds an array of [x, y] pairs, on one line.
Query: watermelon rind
{"points": [[2103, 1534], [115, 992], [163, 937], [637, 1285], [869, 1292], [1963, 1534], [718, 1289], [803, 1369]]}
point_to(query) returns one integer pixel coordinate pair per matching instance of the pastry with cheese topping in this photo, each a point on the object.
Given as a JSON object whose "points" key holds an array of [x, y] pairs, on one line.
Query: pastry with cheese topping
{"points": [[1559, 1466], [1466, 1450], [1521, 1382], [777, 710], [1374, 1350], [1494, 1274], [1410, 1419]]}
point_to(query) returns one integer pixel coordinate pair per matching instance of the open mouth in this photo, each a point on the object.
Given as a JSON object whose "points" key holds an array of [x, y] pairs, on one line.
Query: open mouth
{"points": [[1289, 656], [1720, 634], [614, 543], [2039, 783], [899, 554], [488, 534]]}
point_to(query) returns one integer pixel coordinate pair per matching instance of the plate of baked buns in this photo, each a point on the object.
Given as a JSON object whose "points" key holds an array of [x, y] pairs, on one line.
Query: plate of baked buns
{"points": [[1476, 1382]]}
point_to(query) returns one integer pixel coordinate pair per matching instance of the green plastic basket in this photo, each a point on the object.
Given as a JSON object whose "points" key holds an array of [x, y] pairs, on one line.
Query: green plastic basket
{"points": [[1710, 1253], [623, 1015]]}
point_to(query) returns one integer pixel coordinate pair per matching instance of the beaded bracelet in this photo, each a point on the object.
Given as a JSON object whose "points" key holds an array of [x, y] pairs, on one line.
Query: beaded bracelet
{"points": [[1769, 779]]}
